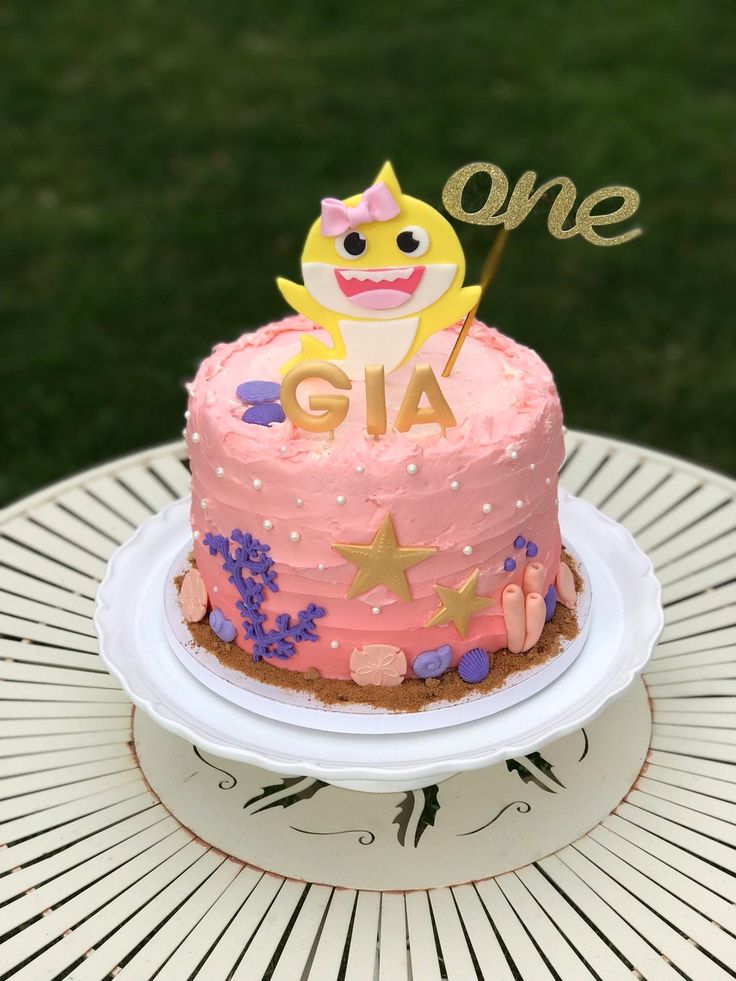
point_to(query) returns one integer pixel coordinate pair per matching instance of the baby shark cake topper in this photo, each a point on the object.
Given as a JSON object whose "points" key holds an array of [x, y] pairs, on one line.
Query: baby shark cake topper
{"points": [[382, 272]]}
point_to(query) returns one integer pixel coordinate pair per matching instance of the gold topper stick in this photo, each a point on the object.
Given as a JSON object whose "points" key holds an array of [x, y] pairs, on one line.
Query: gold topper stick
{"points": [[523, 198], [488, 274]]}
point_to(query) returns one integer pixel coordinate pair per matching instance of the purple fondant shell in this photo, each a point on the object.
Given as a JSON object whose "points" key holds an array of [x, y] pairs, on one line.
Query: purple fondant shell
{"points": [[532, 550], [474, 666], [519, 541], [265, 414], [509, 565], [258, 392], [224, 628], [550, 601], [431, 664]]}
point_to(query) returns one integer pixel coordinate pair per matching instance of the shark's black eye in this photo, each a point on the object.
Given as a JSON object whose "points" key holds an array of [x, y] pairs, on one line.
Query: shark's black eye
{"points": [[351, 245], [413, 240]]}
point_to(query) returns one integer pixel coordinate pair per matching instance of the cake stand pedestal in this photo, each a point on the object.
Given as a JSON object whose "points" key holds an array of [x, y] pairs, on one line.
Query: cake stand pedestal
{"points": [[473, 826], [607, 854]]}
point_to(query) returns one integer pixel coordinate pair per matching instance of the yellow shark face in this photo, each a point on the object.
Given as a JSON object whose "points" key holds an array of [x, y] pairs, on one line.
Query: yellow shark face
{"points": [[385, 269], [382, 272]]}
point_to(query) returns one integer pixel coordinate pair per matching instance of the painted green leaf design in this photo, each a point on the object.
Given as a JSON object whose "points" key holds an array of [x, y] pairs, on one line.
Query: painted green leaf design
{"points": [[405, 808], [429, 811], [545, 766], [290, 799], [516, 766]]}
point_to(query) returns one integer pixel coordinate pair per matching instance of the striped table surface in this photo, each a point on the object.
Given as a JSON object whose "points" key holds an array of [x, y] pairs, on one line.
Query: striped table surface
{"points": [[98, 878]]}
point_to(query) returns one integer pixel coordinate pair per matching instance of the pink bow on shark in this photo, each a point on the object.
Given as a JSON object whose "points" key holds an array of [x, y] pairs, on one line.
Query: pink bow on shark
{"points": [[376, 204]]}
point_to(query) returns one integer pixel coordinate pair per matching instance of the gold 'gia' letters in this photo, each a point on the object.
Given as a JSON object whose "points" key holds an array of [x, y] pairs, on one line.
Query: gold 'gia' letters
{"points": [[524, 198], [328, 411]]}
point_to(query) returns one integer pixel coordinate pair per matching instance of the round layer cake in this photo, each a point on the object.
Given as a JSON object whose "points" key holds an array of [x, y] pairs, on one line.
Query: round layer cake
{"points": [[292, 529]]}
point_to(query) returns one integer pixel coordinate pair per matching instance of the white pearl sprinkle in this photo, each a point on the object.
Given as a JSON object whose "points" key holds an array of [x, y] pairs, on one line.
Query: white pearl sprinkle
{"points": [[468, 550], [411, 469], [548, 481], [187, 414], [514, 454], [375, 610], [299, 502], [204, 503], [487, 508], [455, 485], [283, 449], [268, 524], [195, 437], [294, 536], [360, 468], [219, 472], [532, 466], [334, 644], [196, 535], [340, 499], [520, 504], [184, 433], [564, 430], [257, 483], [215, 589], [321, 567]]}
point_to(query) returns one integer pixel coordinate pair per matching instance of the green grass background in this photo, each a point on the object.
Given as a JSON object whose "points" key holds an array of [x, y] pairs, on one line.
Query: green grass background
{"points": [[160, 163]]}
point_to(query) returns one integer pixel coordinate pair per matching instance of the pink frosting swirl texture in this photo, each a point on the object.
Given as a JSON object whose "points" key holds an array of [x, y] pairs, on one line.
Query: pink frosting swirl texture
{"points": [[470, 494]]}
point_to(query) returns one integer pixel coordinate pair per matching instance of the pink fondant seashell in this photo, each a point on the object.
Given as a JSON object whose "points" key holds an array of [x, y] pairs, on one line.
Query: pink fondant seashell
{"points": [[536, 614], [534, 578], [193, 596], [566, 586], [378, 664], [512, 602]]}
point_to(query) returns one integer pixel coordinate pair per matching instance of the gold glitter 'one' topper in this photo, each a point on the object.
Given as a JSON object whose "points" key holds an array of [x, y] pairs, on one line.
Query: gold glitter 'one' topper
{"points": [[524, 197]]}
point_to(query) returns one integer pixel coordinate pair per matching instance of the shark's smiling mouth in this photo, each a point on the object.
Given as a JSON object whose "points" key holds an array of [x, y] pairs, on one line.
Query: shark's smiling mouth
{"points": [[379, 289]]}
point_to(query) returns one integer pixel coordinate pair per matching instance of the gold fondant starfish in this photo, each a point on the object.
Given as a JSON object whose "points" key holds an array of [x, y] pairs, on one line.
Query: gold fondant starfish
{"points": [[383, 562], [459, 605]]}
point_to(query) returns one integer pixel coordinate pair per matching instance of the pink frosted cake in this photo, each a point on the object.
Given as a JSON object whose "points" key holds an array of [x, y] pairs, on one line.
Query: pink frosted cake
{"points": [[417, 533]]}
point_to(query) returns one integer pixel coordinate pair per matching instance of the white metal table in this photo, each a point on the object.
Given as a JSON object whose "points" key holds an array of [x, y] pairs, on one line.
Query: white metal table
{"points": [[126, 852]]}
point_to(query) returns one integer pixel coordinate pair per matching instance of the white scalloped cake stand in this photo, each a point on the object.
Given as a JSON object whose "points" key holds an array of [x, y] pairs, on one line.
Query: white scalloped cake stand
{"points": [[624, 623]]}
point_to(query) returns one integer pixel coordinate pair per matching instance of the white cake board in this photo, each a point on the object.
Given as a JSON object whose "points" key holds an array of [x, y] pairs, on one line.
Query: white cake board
{"points": [[302, 709], [624, 625]]}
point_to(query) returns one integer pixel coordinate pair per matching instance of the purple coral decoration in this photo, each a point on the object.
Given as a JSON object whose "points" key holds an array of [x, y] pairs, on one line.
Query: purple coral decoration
{"points": [[264, 414], [222, 627], [258, 392], [251, 556], [532, 550], [519, 541], [550, 602], [431, 664], [474, 666], [509, 565]]}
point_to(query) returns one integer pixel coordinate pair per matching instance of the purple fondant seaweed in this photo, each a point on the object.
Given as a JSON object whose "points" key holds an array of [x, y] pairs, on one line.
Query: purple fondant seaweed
{"points": [[252, 556]]}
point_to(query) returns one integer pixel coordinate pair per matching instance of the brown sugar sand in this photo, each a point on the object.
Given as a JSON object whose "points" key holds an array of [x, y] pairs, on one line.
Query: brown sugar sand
{"points": [[412, 694]]}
